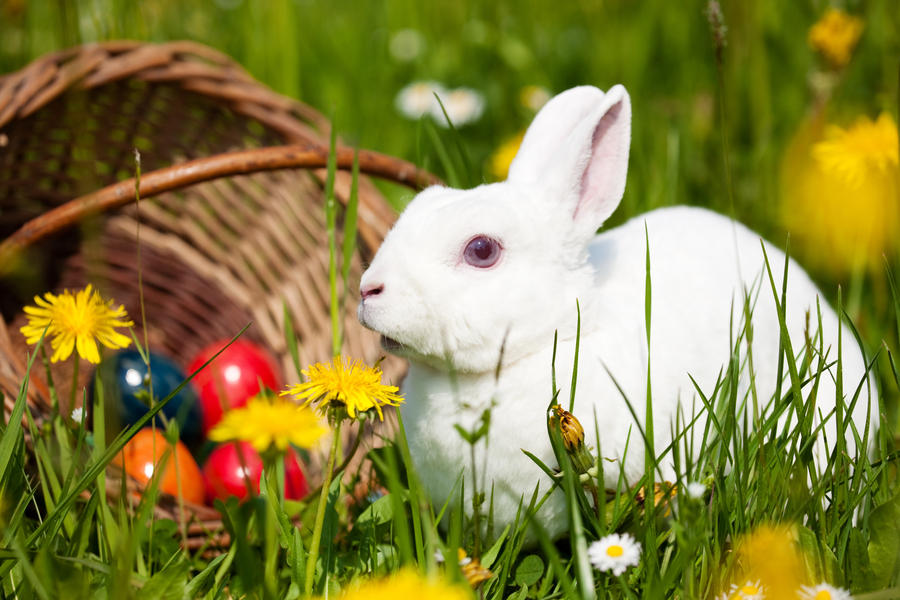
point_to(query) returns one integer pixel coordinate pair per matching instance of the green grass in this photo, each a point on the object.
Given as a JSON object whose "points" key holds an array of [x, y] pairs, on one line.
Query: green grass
{"points": [[64, 534], [60, 542]]}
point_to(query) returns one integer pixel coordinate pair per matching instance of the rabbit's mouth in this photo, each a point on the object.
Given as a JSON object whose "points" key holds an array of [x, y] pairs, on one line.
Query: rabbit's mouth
{"points": [[390, 344]]}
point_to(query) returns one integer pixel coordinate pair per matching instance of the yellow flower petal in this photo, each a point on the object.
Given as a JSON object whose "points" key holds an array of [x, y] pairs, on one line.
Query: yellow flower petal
{"points": [[835, 36], [76, 322], [346, 383], [405, 583], [264, 423], [839, 194]]}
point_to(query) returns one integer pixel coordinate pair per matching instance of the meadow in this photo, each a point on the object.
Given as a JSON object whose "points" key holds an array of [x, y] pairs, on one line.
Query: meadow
{"points": [[764, 111]]}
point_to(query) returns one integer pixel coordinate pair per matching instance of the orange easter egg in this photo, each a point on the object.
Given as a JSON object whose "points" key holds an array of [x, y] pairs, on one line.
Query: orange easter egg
{"points": [[144, 452]]}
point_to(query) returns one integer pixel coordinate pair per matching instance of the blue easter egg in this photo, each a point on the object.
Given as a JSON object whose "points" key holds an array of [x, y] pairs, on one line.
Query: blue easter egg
{"points": [[126, 385]]}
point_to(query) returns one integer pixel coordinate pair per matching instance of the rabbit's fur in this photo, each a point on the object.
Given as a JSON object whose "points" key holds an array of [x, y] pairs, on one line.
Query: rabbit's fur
{"points": [[451, 319]]}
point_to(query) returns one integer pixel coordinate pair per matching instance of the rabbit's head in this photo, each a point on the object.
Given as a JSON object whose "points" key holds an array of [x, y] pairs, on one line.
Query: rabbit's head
{"points": [[466, 273]]}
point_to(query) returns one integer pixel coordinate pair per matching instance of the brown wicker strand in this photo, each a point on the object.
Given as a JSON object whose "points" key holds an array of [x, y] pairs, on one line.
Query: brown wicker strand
{"points": [[205, 169]]}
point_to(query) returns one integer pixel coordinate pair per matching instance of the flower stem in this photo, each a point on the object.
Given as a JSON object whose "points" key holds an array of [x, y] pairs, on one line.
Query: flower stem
{"points": [[273, 494], [313, 556], [331, 227], [75, 362]]}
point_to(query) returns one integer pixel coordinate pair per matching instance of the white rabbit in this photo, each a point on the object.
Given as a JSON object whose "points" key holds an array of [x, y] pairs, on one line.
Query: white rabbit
{"points": [[464, 273]]}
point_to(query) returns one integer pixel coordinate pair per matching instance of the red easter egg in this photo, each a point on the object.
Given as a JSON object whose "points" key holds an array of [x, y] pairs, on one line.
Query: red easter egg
{"points": [[141, 455], [232, 378], [226, 475]]}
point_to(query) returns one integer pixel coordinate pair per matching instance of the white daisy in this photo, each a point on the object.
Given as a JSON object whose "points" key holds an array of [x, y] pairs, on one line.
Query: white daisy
{"points": [[751, 590], [406, 45], [695, 490], [463, 105], [823, 591], [615, 552], [418, 99], [533, 97], [78, 414]]}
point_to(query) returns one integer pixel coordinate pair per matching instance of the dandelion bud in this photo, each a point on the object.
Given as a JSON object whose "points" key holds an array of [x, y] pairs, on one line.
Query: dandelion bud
{"points": [[568, 426], [663, 492], [472, 569]]}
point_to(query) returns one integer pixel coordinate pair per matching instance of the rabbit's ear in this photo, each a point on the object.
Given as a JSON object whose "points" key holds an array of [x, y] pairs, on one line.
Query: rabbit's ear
{"points": [[577, 150]]}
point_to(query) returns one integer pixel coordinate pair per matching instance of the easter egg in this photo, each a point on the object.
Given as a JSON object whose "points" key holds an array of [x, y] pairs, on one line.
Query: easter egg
{"points": [[126, 384], [231, 466], [141, 455], [232, 378]]}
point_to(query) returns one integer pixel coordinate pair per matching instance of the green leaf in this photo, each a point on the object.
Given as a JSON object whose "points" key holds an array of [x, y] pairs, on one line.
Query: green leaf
{"points": [[200, 582], [167, 584], [465, 435], [860, 572], [884, 545], [379, 512], [13, 432], [472, 437], [290, 337], [519, 594], [809, 544], [488, 558], [296, 559], [530, 570]]}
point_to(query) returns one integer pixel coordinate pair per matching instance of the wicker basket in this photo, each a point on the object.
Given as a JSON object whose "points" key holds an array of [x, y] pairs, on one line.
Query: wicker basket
{"points": [[232, 229]]}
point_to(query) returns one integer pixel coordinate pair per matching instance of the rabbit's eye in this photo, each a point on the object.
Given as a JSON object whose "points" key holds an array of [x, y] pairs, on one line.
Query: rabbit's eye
{"points": [[482, 252]]}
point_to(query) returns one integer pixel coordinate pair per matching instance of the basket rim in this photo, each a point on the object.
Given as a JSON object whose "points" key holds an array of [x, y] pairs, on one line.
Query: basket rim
{"points": [[191, 65], [226, 164]]}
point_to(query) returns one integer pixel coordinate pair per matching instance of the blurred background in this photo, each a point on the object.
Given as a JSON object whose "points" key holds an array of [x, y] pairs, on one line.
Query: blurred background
{"points": [[782, 114]]}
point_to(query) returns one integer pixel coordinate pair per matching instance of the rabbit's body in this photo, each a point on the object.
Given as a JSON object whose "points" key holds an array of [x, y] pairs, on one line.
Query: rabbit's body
{"points": [[468, 277]]}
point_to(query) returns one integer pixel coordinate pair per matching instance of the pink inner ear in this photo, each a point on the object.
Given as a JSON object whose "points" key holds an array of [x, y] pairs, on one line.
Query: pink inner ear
{"points": [[598, 182]]}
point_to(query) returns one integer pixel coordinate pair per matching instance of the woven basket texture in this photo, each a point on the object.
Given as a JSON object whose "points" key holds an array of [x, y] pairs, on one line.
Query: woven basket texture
{"points": [[215, 255]]}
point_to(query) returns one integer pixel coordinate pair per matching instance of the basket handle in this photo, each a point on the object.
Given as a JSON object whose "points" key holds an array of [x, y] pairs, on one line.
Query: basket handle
{"points": [[198, 170]]}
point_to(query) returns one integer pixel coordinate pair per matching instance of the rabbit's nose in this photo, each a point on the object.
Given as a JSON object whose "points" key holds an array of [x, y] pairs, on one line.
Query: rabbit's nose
{"points": [[371, 289]]}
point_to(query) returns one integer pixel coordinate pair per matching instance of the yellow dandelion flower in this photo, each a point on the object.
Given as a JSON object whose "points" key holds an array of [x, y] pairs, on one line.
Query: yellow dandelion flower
{"points": [[76, 322], [854, 153], [265, 423], [346, 383], [835, 36], [840, 190], [770, 554], [406, 583], [663, 492], [504, 155]]}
